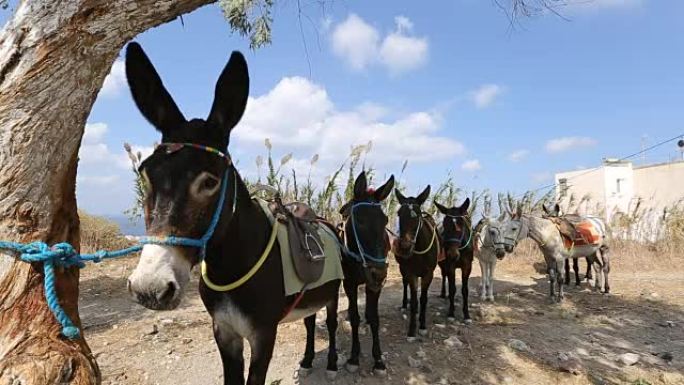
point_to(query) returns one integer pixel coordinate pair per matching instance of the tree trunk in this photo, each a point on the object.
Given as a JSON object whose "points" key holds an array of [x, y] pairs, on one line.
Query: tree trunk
{"points": [[54, 56]]}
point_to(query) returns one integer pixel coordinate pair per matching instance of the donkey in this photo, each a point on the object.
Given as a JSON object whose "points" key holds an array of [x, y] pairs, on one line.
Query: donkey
{"points": [[365, 262], [456, 242], [188, 177], [489, 249], [545, 233], [416, 251], [555, 211]]}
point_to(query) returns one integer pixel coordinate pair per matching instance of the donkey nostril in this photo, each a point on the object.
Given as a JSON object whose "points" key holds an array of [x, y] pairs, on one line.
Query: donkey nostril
{"points": [[168, 293]]}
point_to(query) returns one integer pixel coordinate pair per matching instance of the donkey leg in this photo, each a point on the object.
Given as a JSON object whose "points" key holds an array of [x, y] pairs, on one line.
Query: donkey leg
{"points": [[230, 346], [597, 274], [465, 275], [484, 268], [551, 269], [372, 299], [351, 289], [443, 292], [490, 280], [309, 352], [589, 263], [559, 280], [331, 323], [413, 283], [404, 300], [606, 271], [262, 351], [567, 271], [424, 288], [575, 268], [451, 314]]}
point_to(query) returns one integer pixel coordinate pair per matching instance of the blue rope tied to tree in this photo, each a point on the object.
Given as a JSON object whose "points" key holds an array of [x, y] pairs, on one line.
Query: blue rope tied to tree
{"points": [[65, 255]]}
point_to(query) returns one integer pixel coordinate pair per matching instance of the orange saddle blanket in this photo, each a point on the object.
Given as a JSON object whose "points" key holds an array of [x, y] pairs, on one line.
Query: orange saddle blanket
{"points": [[586, 233]]}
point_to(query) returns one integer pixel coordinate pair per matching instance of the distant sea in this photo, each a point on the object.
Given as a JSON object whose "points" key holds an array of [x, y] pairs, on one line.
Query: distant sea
{"points": [[127, 226]]}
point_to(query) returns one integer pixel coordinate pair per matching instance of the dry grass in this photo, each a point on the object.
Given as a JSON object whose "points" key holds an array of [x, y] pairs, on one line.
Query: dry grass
{"points": [[98, 233]]}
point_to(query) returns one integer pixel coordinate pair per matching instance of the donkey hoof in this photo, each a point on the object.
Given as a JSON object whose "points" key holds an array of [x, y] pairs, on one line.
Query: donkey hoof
{"points": [[304, 372], [352, 368], [411, 339], [423, 332], [468, 321], [331, 375], [451, 319], [380, 372]]}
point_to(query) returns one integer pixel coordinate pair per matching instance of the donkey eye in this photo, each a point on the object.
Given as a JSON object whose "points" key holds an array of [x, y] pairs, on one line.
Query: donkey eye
{"points": [[204, 186], [209, 184]]}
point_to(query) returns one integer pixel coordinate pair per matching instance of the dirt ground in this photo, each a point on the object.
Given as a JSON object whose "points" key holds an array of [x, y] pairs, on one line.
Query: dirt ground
{"points": [[519, 339]]}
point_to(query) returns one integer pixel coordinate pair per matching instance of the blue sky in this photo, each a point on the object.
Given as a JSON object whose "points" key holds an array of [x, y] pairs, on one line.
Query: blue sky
{"points": [[449, 87]]}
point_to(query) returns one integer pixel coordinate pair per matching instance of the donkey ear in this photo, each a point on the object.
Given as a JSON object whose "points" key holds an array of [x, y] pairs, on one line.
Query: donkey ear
{"points": [[546, 211], [464, 207], [400, 197], [230, 97], [149, 93], [441, 208], [344, 210], [361, 186], [384, 190], [424, 195]]}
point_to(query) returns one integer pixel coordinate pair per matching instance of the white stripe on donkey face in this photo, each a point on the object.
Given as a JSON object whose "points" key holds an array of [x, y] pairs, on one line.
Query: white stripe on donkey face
{"points": [[160, 277]]}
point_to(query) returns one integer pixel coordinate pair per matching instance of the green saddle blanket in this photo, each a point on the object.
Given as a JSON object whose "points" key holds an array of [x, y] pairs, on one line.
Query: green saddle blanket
{"points": [[332, 269]]}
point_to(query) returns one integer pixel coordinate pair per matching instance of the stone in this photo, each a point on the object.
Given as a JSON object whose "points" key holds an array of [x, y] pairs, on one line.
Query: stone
{"points": [[629, 359], [518, 345], [453, 342], [414, 363]]}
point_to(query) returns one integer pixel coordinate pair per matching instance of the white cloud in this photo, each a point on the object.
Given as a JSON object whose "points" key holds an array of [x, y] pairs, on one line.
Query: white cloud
{"points": [[471, 165], [115, 80], [485, 95], [298, 116], [400, 52], [569, 143], [359, 44], [517, 156], [356, 42]]}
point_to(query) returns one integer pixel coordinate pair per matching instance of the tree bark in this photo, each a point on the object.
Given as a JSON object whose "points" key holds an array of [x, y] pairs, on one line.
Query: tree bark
{"points": [[54, 56]]}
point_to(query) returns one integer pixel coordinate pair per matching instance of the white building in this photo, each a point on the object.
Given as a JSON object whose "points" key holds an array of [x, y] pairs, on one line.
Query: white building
{"points": [[617, 186]]}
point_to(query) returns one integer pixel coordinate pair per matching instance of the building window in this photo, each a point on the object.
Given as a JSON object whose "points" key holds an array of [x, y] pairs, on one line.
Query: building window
{"points": [[619, 185], [562, 187]]}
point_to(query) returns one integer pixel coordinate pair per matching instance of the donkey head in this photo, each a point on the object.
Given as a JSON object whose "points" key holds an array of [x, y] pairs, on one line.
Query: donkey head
{"points": [[366, 227], [513, 229], [410, 220], [182, 184], [554, 211], [456, 228]]}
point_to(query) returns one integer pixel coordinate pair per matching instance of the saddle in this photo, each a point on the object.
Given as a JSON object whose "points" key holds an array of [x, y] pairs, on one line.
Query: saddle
{"points": [[576, 230], [306, 246]]}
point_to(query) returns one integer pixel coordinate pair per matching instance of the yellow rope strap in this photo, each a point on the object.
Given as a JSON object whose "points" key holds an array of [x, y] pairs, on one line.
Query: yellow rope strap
{"points": [[432, 242], [250, 273]]}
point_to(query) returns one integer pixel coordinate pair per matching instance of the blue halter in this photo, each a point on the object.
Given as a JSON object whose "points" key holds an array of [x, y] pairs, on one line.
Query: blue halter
{"points": [[200, 243], [362, 256]]}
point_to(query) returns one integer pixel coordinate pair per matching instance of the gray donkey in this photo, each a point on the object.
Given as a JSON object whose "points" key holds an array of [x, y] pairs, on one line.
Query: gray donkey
{"points": [[546, 234], [489, 249]]}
